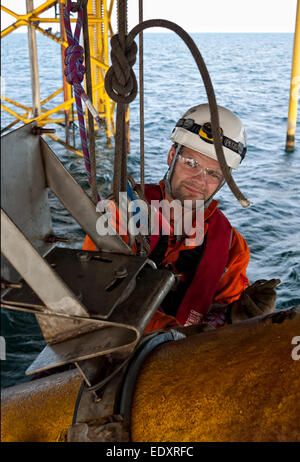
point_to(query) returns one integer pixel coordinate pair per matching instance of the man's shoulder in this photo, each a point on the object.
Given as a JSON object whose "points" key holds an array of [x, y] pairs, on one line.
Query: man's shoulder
{"points": [[236, 238], [218, 214], [153, 191]]}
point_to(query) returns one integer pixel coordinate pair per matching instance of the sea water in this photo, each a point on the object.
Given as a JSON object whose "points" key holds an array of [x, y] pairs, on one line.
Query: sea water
{"points": [[251, 76]]}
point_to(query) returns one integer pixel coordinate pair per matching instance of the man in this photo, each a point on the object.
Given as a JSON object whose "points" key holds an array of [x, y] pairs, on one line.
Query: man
{"points": [[211, 283]]}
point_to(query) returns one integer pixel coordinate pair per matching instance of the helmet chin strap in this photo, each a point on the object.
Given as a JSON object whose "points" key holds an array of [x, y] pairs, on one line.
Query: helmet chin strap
{"points": [[209, 200], [168, 175]]}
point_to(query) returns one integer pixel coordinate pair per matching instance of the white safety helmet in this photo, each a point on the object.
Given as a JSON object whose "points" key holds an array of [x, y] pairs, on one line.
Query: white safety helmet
{"points": [[193, 130]]}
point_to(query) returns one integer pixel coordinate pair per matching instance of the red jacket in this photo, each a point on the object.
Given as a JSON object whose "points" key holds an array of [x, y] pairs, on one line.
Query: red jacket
{"points": [[221, 273], [220, 276]]}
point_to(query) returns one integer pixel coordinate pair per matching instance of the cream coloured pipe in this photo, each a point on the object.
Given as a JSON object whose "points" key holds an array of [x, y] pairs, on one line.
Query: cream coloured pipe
{"points": [[237, 383]]}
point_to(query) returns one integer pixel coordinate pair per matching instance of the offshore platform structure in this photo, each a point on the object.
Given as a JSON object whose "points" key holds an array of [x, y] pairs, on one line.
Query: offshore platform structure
{"points": [[93, 305], [99, 32]]}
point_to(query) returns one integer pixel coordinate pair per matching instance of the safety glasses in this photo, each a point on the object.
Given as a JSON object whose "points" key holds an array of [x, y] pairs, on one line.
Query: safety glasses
{"points": [[191, 165]]}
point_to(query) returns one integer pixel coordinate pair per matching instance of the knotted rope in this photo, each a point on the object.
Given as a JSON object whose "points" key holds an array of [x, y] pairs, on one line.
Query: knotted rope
{"points": [[120, 80], [121, 85], [79, 4], [74, 72]]}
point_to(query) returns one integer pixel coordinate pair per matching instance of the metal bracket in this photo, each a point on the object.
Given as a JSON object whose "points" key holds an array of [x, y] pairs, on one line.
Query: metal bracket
{"points": [[78, 203], [24, 195], [69, 328], [87, 304], [29, 167], [98, 280], [117, 388]]}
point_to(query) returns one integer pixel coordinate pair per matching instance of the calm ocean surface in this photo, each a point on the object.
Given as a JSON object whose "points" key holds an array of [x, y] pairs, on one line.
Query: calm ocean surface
{"points": [[251, 76]]}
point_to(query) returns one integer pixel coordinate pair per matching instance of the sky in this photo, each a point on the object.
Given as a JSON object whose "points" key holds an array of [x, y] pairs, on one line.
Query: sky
{"points": [[199, 15]]}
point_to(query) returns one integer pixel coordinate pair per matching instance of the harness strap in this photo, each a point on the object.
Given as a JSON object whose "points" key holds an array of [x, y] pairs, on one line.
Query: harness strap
{"points": [[202, 289]]}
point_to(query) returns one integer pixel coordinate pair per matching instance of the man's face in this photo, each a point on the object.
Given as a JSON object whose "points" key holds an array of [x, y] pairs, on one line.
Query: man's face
{"points": [[189, 185]]}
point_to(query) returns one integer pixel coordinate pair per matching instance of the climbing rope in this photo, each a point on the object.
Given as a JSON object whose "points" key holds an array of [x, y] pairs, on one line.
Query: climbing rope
{"points": [[141, 82], [74, 72], [78, 5], [121, 85], [120, 164], [89, 89]]}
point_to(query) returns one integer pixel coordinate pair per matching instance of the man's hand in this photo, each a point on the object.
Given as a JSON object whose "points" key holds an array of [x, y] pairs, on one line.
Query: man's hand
{"points": [[256, 300]]}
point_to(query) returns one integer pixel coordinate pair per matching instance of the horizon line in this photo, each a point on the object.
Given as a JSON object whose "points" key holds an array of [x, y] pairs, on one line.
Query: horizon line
{"points": [[195, 32]]}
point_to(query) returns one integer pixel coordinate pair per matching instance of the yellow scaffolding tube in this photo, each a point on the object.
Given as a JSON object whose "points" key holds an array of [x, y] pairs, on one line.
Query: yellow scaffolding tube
{"points": [[294, 88], [100, 30], [98, 34]]}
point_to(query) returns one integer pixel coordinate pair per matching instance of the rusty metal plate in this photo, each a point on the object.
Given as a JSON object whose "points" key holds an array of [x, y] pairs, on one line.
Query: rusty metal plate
{"points": [[99, 280], [86, 346], [120, 333]]}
